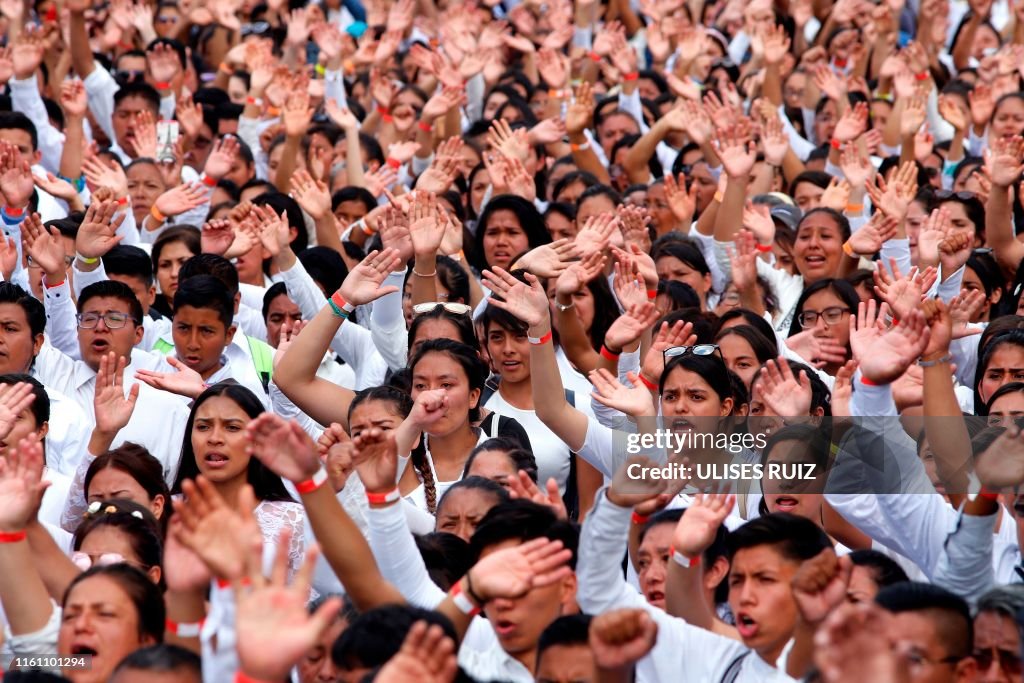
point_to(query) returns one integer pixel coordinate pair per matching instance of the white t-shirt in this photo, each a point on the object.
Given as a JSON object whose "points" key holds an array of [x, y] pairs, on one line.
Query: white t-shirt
{"points": [[551, 453], [418, 496]]}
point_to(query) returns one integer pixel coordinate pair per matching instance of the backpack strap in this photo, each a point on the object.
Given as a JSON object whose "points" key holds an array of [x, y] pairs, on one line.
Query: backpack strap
{"points": [[733, 671], [262, 360]]}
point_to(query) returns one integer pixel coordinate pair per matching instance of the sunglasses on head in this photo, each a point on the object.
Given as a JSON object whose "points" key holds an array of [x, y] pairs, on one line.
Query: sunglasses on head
{"points": [[698, 350], [454, 308]]}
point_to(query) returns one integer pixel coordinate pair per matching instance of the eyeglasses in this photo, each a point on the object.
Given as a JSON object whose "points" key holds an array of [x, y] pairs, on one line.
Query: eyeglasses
{"points": [[453, 308], [918, 658], [730, 299], [698, 350], [831, 315], [114, 320], [68, 260], [1009, 662]]}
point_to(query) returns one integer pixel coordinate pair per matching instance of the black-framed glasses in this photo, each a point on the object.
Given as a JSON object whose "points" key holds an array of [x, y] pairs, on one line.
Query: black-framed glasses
{"points": [[698, 350], [114, 320], [68, 260], [832, 315]]}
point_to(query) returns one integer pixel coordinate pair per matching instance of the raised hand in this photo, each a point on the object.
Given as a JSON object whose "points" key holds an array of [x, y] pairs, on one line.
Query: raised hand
{"points": [[273, 626], [548, 260], [184, 381], [820, 585], [21, 485], [97, 233], [785, 394], [630, 326], [337, 454], [634, 401], [16, 183], [144, 142], [680, 334], [737, 154], [426, 225], [180, 199], [681, 201], [45, 247], [376, 458], [696, 530], [112, 408], [595, 234], [312, 195], [427, 656], [222, 157], [521, 487], [58, 187], [284, 447], [620, 638], [1003, 161], [1001, 465], [220, 536], [102, 174], [852, 123], [854, 644], [526, 301], [870, 237], [884, 354], [14, 398], [363, 283], [902, 293], [513, 572]]}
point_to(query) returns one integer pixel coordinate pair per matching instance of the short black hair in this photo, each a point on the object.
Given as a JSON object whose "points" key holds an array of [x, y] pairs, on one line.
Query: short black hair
{"points": [[276, 290], [35, 312], [946, 610], [129, 261], [374, 637], [325, 266], [492, 315], [571, 629], [352, 193], [446, 557], [210, 264], [523, 520], [41, 403], [885, 571], [163, 658], [139, 89], [796, 538], [114, 290], [206, 291], [15, 120]]}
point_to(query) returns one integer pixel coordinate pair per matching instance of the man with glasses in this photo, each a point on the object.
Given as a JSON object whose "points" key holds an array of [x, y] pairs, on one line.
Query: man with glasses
{"points": [[932, 629], [109, 318]]}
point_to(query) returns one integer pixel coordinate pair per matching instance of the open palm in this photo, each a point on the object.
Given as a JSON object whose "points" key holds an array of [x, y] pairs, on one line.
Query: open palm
{"points": [[363, 283]]}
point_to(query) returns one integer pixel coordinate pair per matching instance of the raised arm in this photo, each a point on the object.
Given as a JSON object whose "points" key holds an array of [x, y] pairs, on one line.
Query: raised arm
{"points": [[295, 375], [529, 303], [1003, 164]]}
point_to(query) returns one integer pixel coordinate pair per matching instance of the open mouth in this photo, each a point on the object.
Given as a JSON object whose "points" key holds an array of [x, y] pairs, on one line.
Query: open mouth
{"points": [[786, 503], [656, 598], [83, 650], [100, 345], [216, 460], [746, 626], [504, 628]]}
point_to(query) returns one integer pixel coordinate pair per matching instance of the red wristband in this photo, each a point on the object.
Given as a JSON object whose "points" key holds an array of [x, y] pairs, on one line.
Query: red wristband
{"points": [[988, 495], [608, 354], [923, 76], [394, 163], [341, 303], [652, 294], [12, 537], [866, 382], [836, 144], [631, 76], [538, 341], [242, 678], [184, 630], [425, 127], [54, 285], [13, 212], [637, 518], [764, 248], [312, 484], [208, 181], [647, 383], [123, 201], [595, 57], [383, 498], [162, 85]]}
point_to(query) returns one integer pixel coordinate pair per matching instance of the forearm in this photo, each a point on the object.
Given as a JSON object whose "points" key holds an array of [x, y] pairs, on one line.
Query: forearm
{"points": [[71, 155], [574, 340], [729, 220], [585, 158], [347, 551], [185, 607], [289, 162], [81, 51], [999, 229], [635, 163], [424, 279], [944, 426], [353, 158], [327, 233], [549, 394], [26, 603]]}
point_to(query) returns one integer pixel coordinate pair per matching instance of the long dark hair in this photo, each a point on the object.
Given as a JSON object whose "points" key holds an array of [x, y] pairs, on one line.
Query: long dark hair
{"points": [[711, 368], [841, 288], [265, 484], [1012, 337], [145, 596], [530, 220]]}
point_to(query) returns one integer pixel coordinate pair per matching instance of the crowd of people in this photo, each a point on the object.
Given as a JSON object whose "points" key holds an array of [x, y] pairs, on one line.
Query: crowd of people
{"points": [[327, 330]]}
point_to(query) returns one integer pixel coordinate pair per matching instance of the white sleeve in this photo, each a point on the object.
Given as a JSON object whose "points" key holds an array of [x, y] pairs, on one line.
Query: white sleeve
{"points": [[387, 324], [167, 107], [965, 562], [303, 290], [602, 585], [100, 88], [899, 250], [801, 146], [61, 329], [84, 278], [399, 559], [129, 229], [77, 503], [334, 88], [25, 98]]}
